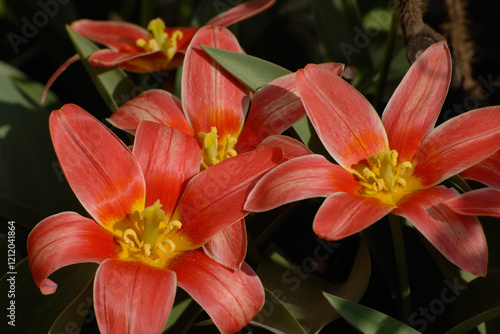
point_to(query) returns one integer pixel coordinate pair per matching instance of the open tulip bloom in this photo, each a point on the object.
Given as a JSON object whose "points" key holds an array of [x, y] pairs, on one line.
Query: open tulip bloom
{"points": [[390, 164], [213, 110], [152, 212]]}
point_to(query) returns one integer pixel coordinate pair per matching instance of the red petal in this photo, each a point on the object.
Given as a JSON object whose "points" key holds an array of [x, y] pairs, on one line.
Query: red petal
{"points": [[275, 107], [100, 169], [231, 298], [214, 198], [168, 158], [133, 297], [134, 62], [210, 95], [241, 12], [415, 105], [460, 238], [187, 36], [292, 148], [345, 121], [64, 239], [458, 144], [487, 171], [304, 177], [229, 246], [116, 35], [155, 105], [342, 215], [481, 202]]}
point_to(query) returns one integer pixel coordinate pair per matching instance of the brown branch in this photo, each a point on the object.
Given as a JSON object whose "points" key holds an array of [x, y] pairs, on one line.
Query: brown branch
{"points": [[417, 35]]}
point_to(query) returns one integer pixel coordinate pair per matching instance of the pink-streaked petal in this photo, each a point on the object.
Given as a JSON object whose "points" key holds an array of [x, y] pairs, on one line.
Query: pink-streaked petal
{"points": [[117, 35], [100, 169], [57, 73], [345, 121], [214, 198], [275, 107], [342, 215], [63, 239], [133, 297], [300, 178], [134, 62], [457, 145], [210, 95], [168, 158], [229, 246], [459, 238], [241, 12], [415, 105], [230, 297], [487, 171], [480, 202], [292, 148], [155, 105]]}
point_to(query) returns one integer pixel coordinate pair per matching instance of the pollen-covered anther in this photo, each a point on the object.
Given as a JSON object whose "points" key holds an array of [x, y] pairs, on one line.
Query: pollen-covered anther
{"points": [[146, 250], [130, 238], [169, 243], [159, 40]]}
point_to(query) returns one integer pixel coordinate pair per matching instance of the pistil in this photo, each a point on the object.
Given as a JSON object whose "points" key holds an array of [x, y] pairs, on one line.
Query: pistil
{"points": [[159, 40]]}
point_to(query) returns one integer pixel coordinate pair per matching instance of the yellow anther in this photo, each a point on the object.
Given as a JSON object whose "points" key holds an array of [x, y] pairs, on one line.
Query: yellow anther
{"points": [[170, 244], [400, 182], [215, 150], [130, 238], [378, 185], [146, 250], [158, 39], [394, 157], [174, 224], [405, 167], [367, 174]]}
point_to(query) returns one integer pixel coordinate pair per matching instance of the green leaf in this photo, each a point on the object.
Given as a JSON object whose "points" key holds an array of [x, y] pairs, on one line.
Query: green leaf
{"points": [[112, 83], [32, 185], [183, 314], [276, 318], [366, 319], [300, 291], [251, 71], [34, 312]]}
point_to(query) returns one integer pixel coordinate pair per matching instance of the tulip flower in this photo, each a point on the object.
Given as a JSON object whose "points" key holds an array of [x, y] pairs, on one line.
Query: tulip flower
{"points": [[152, 211], [484, 201], [390, 164], [213, 109]]}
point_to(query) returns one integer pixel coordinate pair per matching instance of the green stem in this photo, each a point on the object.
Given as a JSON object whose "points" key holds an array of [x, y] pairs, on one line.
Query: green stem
{"points": [[400, 254], [386, 62]]}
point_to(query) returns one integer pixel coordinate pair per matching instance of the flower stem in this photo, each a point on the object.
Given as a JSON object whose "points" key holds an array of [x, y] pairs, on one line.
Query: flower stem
{"points": [[386, 62], [400, 254]]}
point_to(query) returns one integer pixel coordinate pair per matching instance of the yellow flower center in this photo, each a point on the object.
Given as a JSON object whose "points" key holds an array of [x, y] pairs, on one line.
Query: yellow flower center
{"points": [[383, 177], [159, 40], [147, 236], [216, 149]]}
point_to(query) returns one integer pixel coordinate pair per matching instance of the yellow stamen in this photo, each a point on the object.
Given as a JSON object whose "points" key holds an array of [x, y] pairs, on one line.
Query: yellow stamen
{"points": [[215, 150], [159, 40]]}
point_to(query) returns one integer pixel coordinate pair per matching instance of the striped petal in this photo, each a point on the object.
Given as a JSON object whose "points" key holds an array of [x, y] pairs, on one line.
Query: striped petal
{"points": [[214, 198], [240, 12], [415, 105], [345, 121], [168, 158], [143, 62], [116, 35], [342, 215], [480, 202], [487, 171], [230, 297], [63, 239], [133, 297], [210, 95], [300, 178], [155, 105], [229, 246], [459, 238], [457, 145], [100, 169]]}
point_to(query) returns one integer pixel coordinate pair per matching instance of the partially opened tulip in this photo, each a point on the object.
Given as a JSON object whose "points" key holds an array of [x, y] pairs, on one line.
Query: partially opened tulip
{"points": [[390, 164], [152, 212], [484, 201], [213, 109]]}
